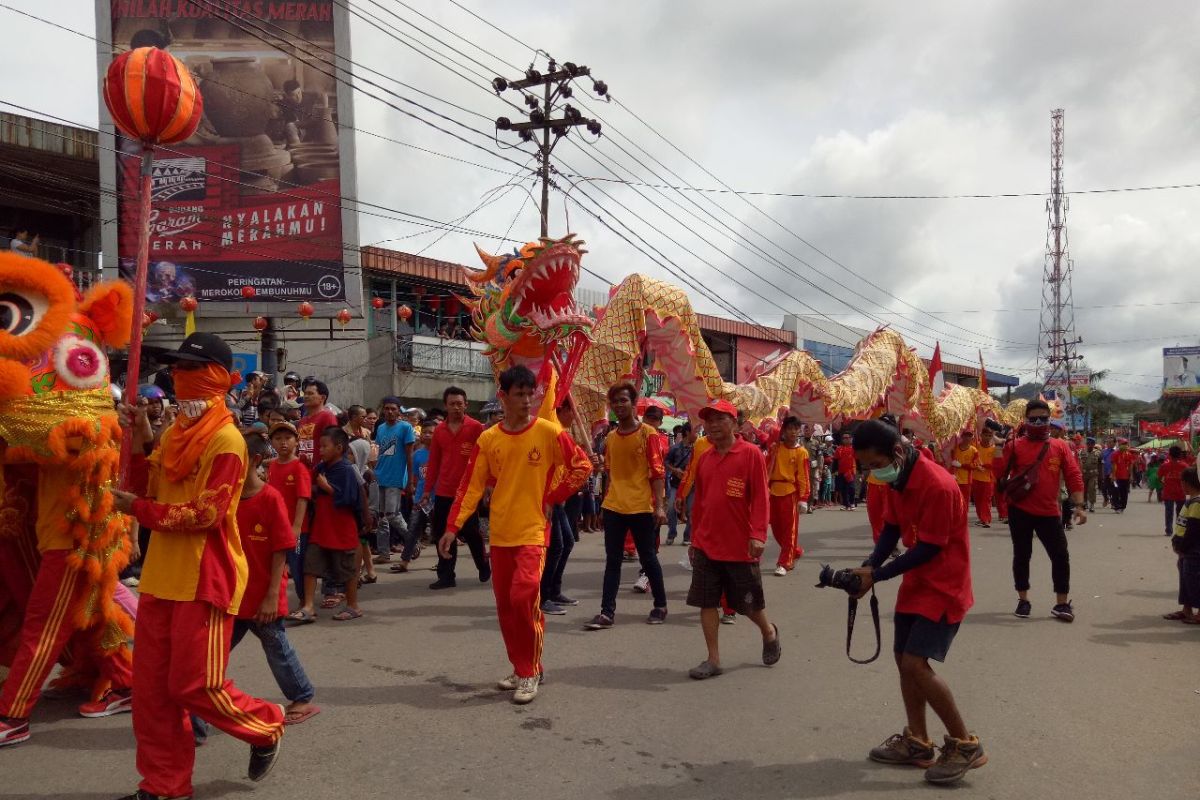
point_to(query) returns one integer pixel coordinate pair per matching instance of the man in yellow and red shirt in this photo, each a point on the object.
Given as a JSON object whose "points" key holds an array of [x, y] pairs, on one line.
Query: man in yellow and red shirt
{"points": [[633, 503], [192, 581], [982, 477], [729, 530], [787, 472], [520, 456]]}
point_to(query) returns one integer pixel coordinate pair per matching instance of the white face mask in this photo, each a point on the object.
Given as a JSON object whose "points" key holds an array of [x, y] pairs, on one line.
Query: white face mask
{"points": [[193, 409]]}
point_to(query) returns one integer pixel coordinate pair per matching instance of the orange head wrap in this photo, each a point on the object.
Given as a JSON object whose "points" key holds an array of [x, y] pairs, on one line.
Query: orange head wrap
{"points": [[201, 394]]}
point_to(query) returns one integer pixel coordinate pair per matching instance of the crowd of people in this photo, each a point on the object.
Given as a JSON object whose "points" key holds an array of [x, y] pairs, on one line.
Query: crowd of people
{"points": [[271, 507]]}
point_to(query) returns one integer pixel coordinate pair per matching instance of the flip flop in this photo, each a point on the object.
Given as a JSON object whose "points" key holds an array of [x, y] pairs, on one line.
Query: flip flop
{"points": [[300, 617], [347, 614], [296, 717]]}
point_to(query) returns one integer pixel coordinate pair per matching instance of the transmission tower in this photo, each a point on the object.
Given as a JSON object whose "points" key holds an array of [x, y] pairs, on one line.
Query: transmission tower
{"points": [[1057, 342]]}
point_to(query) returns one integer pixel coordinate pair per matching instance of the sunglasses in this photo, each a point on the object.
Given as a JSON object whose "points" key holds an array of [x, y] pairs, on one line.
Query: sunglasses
{"points": [[1037, 420]]}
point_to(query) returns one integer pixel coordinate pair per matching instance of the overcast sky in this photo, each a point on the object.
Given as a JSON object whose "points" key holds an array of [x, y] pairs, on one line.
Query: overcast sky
{"points": [[816, 98]]}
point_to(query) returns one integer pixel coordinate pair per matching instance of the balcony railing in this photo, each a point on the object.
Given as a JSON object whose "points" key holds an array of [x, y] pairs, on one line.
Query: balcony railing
{"points": [[430, 354]]}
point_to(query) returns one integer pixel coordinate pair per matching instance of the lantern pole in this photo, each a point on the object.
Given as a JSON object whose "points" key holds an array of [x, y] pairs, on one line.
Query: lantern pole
{"points": [[132, 372]]}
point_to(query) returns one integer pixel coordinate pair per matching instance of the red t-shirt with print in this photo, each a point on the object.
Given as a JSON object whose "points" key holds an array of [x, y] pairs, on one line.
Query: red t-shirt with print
{"points": [[266, 528], [293, 480]]}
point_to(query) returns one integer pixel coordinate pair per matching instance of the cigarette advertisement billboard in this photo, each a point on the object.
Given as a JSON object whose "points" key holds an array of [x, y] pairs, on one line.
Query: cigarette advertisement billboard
{"points": [[253, 198], [1181, 370]]}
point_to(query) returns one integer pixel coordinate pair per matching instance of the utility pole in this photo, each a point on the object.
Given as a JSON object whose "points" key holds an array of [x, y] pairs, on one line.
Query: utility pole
{"points": [[1057, 342], [556, 87]]}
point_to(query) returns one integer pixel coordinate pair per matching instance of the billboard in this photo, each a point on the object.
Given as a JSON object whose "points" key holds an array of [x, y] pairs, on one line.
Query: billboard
{"points": [[254, 197], [1181, 370]]}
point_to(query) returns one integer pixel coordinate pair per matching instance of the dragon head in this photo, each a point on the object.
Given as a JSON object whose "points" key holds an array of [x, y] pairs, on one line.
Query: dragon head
{"points": [[525, 300]]}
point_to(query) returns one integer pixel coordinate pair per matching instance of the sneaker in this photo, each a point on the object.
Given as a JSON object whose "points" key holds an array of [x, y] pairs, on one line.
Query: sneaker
{"points": [[563, 600], [1024, 609], [262, 761], [657, 616], [114, 701], [599, 622], [13, 731], [958, 756], [485, 574], [1063, 611], [904, 748], [141, 794], [441, 584], [642, 584], [985, 525], [781, 571], [628, 557], [552, 608], [670, 540], [513, 681], [728, 619], [527, 689]]}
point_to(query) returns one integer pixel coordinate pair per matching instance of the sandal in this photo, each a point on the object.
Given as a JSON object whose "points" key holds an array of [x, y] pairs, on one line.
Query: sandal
{"points": [[706, 669], [301, 617], [398, 568], [772, 649], [1175, 615], [296, 717], [368, 579], [347, 614], [333, 601]]}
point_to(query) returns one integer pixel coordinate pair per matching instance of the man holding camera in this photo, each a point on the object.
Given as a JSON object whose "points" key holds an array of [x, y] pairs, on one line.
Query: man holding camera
{"points": [[925, 509]]}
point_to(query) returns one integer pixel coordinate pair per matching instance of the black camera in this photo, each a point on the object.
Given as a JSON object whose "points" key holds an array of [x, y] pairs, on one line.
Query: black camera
{"points": [[845, 579]]}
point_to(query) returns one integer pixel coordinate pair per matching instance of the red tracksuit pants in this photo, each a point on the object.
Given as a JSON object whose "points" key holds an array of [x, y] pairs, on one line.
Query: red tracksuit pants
{"points": [[785, 525], [876, 500], [517, 584], [179, 656], [1001, 505], [49, 622], [981, 492]]}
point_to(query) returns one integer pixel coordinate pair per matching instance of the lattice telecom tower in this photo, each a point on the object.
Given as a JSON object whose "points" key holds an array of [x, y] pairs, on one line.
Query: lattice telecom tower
{"points": [[1056, 332]]}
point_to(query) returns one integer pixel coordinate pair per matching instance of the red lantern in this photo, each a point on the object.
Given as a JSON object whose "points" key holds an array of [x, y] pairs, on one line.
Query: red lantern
{"points": [[260, 324], [189, 304], [305, 310], [344, 316], [453, 305], [404, 313], [435, 302], [248, 292], [147, 320], [152, 98], [377, 303]]}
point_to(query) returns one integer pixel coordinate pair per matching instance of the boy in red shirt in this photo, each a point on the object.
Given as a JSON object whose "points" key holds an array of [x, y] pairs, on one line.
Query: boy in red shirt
{"points": [[729, 530], [267, 539], [292, 478], [925, 509], [1172, 487], [333, 540], [1122, 473], [846, 471]]}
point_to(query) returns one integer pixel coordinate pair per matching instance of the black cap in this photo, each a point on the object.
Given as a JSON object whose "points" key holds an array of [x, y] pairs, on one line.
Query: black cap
{"points": [[202, 347]]}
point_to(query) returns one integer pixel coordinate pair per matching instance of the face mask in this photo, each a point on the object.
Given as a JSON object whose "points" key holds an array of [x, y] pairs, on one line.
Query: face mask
{"points": [[1038, 433], [887, 474]]}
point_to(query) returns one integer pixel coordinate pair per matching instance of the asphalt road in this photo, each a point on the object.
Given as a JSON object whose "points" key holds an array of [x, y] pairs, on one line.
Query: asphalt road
{"points": [[1103, 708]]}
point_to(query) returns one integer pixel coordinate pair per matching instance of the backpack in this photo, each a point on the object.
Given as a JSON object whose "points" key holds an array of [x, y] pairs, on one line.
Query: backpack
{"points": [[1017, 487]]}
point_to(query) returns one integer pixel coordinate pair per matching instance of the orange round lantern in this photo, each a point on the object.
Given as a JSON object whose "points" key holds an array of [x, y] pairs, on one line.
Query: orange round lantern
{"points": [[260, 324], [344, 316], [305, 310], [404, 313], [189, 304], [248, 292], [152, 96], [377, 303]]}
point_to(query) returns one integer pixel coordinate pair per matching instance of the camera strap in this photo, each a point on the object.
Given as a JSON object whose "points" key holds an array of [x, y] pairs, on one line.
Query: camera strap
{"points": [[850, 617]]}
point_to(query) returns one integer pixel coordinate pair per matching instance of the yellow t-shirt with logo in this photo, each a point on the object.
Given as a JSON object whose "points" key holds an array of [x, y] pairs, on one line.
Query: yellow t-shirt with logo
{"points": [[789, 471], [633, 461]]}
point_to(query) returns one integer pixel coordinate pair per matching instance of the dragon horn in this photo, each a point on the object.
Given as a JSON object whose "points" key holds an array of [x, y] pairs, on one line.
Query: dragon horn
{"points": [[492, 263]]}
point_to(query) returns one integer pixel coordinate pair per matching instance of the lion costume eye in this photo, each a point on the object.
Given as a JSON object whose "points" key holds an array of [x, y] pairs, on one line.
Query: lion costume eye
{"points": [[20, 313], [82, 364]]}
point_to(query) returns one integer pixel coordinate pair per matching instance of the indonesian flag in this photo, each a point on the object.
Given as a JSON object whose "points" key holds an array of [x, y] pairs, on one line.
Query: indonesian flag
{"points": [[982, 374], [936, 377]]}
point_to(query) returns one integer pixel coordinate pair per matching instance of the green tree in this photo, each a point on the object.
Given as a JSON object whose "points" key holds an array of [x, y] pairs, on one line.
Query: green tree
{"points": [[1174, 408]]}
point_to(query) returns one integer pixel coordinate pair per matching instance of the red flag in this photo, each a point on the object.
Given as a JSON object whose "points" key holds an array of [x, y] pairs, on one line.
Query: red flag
{"points": [[982, 374], [937, 380]]}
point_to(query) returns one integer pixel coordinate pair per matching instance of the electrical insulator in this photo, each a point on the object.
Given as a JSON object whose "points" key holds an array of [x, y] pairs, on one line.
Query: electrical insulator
{"points": [[499, 84], [600, 88], [593, 128], [503, 123]]}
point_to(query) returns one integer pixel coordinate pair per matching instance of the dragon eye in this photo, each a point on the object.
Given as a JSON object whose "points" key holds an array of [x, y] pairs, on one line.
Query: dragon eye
{"points": [[19, 314]]}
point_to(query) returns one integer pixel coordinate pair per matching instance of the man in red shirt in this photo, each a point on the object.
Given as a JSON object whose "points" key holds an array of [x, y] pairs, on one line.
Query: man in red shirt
{"points": [[316, 419], [847, 469], [730, 512], [1039, 512], [1172, 487], [925, 509], [449, 452], [1122, 473]]}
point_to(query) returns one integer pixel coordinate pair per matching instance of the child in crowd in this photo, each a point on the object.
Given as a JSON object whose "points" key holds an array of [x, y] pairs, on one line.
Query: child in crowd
{"points": [[826, 485], [418, 522], [1186, 544], [268, 536], [333, 541], [292, 479]]}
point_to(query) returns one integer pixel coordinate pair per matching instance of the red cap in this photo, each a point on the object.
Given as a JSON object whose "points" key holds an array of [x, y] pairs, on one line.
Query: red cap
{"points": [[1122, 441], [718, 406]]}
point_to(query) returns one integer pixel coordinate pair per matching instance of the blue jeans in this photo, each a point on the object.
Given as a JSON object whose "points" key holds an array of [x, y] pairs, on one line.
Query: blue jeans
{"points": [[295, 560], [645, 532], [1170, 509], [673, 516], [562, 542], [281, 658], [417, 524]]}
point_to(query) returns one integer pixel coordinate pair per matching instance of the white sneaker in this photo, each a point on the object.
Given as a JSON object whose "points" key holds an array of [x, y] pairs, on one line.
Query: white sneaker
{"points": [[642, 584], [781, 571], [527, 689], [512, 682]]}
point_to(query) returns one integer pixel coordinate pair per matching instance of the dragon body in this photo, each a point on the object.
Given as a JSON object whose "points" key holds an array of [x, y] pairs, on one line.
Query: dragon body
{"points": [[524, 313]]}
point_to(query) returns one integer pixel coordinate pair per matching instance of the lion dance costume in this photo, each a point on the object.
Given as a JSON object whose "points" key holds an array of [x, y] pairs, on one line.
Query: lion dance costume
{"points": [[61, 543]]}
